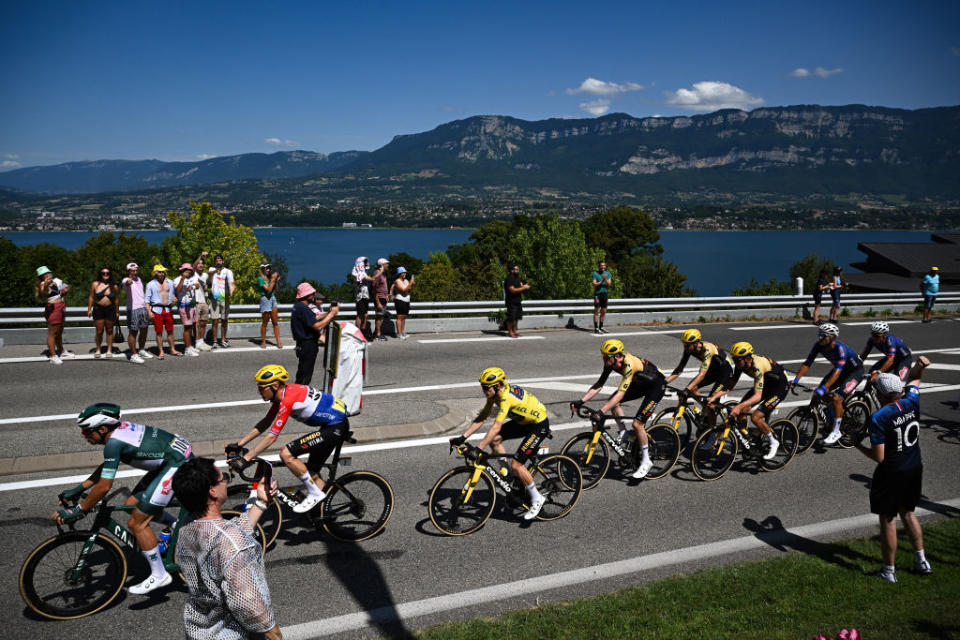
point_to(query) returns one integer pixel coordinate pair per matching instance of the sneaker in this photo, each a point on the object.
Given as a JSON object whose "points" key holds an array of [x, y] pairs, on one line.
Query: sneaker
{"points": [[534, 508], [642, 470], [773, 450], [832, 437], [150, 584], [68, 354], [382, 338], [56, 360], [307, 503], [204, 346], [224, 344], [136, 359], [146, 354], [190, 351], [883, 574], [922, 567], [596, 332], [403, 336], [602, 330]]}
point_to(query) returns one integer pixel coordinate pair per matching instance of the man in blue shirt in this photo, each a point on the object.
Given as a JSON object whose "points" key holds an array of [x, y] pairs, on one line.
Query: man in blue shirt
{"points": [[930, 287], [305, 326], [895, 445]]}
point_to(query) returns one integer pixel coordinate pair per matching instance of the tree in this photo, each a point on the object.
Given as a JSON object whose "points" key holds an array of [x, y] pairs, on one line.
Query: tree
{"points": [[114, 251], [438, 280], [622, 232], [808, 267], [772, 287], [650, 276], [17, 276]]}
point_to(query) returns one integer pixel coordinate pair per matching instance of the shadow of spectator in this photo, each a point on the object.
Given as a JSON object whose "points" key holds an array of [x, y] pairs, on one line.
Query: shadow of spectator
{"points": [[937, 507], [929, 629], [772, 532], [946, 430]]}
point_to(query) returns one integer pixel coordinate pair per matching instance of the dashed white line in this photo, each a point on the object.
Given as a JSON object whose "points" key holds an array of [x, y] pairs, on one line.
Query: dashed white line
{"points": [[493, 339]]}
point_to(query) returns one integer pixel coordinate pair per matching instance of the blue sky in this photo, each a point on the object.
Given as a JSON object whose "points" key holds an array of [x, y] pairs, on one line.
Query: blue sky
{"points": [[184, 81]]}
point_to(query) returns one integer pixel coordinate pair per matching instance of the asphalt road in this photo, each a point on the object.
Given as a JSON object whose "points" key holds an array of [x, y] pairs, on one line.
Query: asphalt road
{"points": [[314, 578]]}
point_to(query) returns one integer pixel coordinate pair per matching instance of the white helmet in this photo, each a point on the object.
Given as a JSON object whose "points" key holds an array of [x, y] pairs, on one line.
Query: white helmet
{"points": [[889, 384], [99, 415], [880, 327], [829, 329]]}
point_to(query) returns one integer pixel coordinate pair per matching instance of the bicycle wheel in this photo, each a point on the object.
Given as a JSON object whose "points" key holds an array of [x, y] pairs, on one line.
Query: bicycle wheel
{"points": [[683, 426], [259, 533], [594, 469], [856, 415], [786, 434], [45, 578], [357, 506], [272, 518], [664, 449], [713, 454], [559, 481], [455, 509], [808, 425]]}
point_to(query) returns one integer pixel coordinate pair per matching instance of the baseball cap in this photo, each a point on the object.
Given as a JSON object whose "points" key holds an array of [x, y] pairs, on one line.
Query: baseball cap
{"points": [[383, 261], [132, 265], [42, 271], [889, 385], [934, 268]]}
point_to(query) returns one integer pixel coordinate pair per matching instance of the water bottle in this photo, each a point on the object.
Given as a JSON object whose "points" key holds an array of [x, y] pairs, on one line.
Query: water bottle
{"points": [[164, 539]]}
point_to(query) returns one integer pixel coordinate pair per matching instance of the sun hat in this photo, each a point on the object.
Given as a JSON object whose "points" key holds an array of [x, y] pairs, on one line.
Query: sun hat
{"points": [[383, 261], [159, 267], [132, 265], [263, 265], [185, 266], [401, 270], [889, 384], [304, 289], [43, 270]]}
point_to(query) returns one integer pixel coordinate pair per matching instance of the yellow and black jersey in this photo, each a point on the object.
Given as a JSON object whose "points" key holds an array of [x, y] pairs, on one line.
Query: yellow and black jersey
{"points": [[515, 404], [707, 354], [634, 369], [764, 371]]}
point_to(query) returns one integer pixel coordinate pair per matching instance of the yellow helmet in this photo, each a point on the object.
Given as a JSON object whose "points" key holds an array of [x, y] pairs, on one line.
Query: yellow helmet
{"points": [[491, 376], [271, 374], [611, 347], [690, 336], [741, 350]]}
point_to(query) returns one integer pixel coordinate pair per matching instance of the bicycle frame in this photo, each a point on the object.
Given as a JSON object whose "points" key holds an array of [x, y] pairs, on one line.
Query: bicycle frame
{"points": [[601, 432]]}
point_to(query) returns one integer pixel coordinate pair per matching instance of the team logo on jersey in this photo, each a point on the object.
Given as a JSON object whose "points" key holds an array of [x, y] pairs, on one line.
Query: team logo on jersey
{"points": [[850, 386], [166, 486]]}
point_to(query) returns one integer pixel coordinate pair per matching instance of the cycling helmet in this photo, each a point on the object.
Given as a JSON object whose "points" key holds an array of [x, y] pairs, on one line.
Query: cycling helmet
{"points": [[271, 374], [690, 336], [101, 414], [741, 350], [829, 329], [611, 347], [491, 376], [880, 328]]}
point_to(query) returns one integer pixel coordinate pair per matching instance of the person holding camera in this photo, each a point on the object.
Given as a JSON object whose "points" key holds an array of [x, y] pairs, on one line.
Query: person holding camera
{"points": [[306, 327]]}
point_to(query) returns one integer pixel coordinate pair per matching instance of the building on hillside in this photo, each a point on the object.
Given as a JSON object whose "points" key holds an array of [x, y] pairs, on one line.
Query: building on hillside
{"points": [[899, 266]]}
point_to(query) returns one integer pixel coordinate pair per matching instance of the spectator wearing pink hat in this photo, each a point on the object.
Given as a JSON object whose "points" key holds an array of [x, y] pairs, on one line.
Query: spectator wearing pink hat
{"points": [[186, 286], [306, 328]]}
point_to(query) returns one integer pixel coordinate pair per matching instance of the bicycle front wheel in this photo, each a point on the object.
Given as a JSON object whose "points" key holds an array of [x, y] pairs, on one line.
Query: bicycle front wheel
{"points": [[357, 506], [663, 445], [786, 434], [593, 466], [47, 583], [713, 453], [808, 425], [681, 425], [272, 519], [853, 426], [559, 481], [456, 508]]}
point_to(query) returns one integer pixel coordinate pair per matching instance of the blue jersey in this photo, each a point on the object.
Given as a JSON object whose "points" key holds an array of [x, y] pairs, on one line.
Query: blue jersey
{"points": [[839, 354], [897, 427], [891, 347]]}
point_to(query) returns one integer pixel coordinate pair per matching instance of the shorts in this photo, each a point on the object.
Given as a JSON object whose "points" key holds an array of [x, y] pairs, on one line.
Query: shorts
{"points": [[137, 319], [163, 320], [188, 316], [363, 306], [203, 312], [817, 299], [901, 366], [268, 304], [600, 300], [402, 307], [55, 313], [846, 383], [383, 311], [719, 375], [104, 312], [532, 434], [928, 301], [514, 311], [651, 390], [319, 444], [894, 491], [774, 391], [835, 296], [219, 310], [155, 489]]}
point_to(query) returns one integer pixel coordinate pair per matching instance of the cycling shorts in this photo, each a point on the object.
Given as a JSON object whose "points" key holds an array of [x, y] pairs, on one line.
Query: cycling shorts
{"points": [[319, 444], [154, 491], [775, 389], [719, 374], [901, 366], [532, 434], [650, 387], [847, 382]]}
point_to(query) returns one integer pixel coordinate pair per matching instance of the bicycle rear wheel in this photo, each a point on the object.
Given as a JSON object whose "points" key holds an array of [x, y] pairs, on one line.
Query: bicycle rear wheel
{"points": [[559, 481], [272, 519], [594, 465], [664, 449], [853, 426], [456, 509], [713, 454], [682, 426], [786, 434], [357, 506], [808, 425], [45, 578]]}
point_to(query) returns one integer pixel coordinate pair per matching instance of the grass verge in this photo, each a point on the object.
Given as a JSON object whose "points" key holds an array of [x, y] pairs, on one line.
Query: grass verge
{"points": [[823, 589]]}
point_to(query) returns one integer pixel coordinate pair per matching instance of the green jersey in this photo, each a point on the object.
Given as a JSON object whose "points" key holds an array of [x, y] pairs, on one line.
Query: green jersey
{"points": [[599, 276], [142, 447]]}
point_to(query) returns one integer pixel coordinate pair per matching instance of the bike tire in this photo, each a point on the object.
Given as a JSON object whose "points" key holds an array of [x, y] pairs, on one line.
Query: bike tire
{"points": [[853, 425], [663, 448], [49, 564], [713, 455], [560, 482], [684, 428], [808, 426], [272, 519], [786, 434], [448, 511], [596, 469], [259, 533], [357, 507]]}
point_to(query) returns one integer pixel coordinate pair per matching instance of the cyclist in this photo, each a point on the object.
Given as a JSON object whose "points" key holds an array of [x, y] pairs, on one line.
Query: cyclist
{"points": [[527, 420], [769, 390], [716, 367], [308, 405], [158, 452], [846, 374], [641, 379], [898, 358]]}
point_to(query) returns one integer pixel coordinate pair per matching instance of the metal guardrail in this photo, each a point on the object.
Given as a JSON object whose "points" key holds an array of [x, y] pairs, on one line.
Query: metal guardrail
{"points": [[13, 316]]}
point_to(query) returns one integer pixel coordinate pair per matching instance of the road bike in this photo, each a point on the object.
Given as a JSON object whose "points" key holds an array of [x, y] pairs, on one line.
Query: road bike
{"points": [[591, 449], [79, 572], [817, 417], [463, 499], [715, 450], [357, 507], [688, 422]]}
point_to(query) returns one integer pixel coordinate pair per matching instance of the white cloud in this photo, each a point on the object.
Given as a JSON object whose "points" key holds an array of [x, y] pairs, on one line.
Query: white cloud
{"points": [[604, 88], [596, 107], [277, 142], [205, 156], [800, 72], [710, 96], [9, 164]]}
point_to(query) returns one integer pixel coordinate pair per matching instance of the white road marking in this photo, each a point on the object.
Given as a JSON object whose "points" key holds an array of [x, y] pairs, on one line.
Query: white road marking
{"points": [[950, 367], [859, 324], [541, 583], [776, 326], [652, 332], [500, 338]]}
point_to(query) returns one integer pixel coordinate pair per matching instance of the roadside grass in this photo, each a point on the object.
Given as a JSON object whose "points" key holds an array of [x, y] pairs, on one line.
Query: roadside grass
{"points": [[822, 589]]}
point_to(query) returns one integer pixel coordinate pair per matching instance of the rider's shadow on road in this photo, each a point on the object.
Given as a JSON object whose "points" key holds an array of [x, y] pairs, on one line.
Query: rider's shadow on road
{"points": [[772, 532]]}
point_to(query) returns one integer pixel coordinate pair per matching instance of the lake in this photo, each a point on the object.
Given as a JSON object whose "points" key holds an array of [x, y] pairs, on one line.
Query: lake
{"points": [[715, 262]]}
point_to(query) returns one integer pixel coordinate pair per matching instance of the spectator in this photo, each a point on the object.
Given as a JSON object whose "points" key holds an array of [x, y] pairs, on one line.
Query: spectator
{"points": [[221, 290], [381, 294], [930, 287], [185, 287], [400, 291], [138, 318], [894, 432], [822, 285], [51, 290], [836, 285], [102, 306], [221, 560], [161, 298], [267, 285], [203, 309], [305, 325], [601, 287], [513, 289], [362, 292]]}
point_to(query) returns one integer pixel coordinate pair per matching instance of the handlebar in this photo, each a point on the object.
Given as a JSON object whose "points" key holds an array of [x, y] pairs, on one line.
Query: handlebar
{"points": [[263, 471]]}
